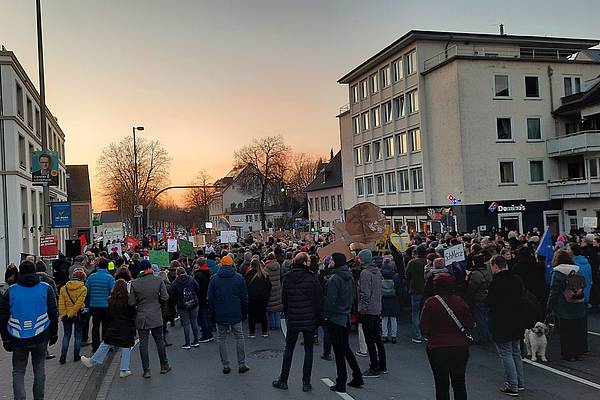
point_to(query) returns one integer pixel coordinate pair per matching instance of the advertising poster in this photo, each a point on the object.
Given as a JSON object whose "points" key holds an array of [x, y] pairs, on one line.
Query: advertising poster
{"points": [[44, 165], [61, 214]]}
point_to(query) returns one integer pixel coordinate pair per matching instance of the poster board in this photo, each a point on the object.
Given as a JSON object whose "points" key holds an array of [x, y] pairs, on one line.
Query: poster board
{"points": [[590, 223], [117, 246], [172, 245], [199, 241], [48, 246], [228, 236], [186, 248], [159, 257], [339, 246], [454, 254]]}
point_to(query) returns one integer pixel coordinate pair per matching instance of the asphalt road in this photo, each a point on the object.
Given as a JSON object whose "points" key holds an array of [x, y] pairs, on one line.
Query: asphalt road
{"points": [[197, 373]]}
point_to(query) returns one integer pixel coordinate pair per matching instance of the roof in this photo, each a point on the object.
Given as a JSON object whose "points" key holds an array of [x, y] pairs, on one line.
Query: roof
{"points": [[589, 54], [333, 175], [413, 35], [578, 100], [106, 217], [78, 185]]}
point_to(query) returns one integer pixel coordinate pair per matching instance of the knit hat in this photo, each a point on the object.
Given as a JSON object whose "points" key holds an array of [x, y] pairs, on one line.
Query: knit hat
{"points": [[26, 267], [365, 256], [79, 275], [443, 282], [440, 249], [339, 259], [145, 264], [227, 260], [439, 263], [421, 250]]}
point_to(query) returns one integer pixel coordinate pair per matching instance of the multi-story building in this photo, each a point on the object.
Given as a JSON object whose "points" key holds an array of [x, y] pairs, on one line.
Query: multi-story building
{"points": [[22, 207], [325, 195], [467, 122]]}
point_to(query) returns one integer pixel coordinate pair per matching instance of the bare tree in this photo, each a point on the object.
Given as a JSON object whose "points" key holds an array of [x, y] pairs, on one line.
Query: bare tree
{"points": [[198, 199], [116, 171], [265, 163], [300, 172]]}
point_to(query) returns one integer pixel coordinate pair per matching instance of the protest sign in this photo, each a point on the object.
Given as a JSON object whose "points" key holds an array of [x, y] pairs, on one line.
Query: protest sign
{"points": [[199, 241], [114, 247], [454, 254], [365, 222], [339, 246], [159, 257], [48, 246], [172, 245], [228, 236], [590, 223], [186, 248]]}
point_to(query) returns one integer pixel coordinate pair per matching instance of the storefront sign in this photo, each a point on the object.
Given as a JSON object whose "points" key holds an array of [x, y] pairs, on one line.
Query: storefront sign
{"points": [[505, 206]]}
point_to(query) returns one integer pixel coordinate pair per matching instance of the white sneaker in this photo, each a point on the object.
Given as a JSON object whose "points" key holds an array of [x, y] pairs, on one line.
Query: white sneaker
{"points": [[87, 362], [359, 353], [124, 374]]}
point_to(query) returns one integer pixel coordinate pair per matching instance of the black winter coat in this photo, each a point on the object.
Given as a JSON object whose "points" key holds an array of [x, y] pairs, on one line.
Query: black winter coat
{"points": [[259, 290], [302, 299], [180, 284], [202, 276], [505, 300], [120, 324]]}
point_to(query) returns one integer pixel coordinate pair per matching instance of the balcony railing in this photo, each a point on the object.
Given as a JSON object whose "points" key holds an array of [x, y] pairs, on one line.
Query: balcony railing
{"points": [[344, 108], [527, 53], [574, 188], [574, 143]]}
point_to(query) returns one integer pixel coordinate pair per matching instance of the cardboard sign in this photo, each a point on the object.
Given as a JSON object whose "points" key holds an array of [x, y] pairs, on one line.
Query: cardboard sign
{"points": [[48, 246], [159, 257], [228, 236], [172, 245], [339, 246], [186, 248], [199, 241], [454, 254], [365, 222], [114, 247]]}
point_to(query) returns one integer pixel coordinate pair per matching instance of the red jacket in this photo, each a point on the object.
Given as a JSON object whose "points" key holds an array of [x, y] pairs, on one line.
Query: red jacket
{"points": [[439, 327]]}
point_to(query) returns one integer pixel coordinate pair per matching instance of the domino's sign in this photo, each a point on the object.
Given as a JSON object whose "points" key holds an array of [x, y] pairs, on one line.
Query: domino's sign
{"points": [[505, 206]]}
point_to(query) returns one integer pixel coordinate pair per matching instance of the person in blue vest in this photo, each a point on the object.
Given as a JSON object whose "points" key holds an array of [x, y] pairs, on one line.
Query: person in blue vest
{"points": [[28, 324], [99, 286]]}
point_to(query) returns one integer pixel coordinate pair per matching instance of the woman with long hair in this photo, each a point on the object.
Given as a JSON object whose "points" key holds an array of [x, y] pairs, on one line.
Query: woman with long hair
{"points": [[120, 331], [70, 302], [259, 290]]}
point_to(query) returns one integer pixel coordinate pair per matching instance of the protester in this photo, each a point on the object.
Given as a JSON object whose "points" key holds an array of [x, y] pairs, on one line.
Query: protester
{"points": [[274, 306], [415, 279], [478, 283], [585, 269], [391, 292], [324, 275], [70, 302], [532, 273], [167, 307], [99, 285], [202, 276], [185, 292], [259, 289]]}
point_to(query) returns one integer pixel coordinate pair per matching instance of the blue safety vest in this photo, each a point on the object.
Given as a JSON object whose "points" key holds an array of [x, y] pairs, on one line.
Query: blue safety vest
{"points": [[28, 310]]}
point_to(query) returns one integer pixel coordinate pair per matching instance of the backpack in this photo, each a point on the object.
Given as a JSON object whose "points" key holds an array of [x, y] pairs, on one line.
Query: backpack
{"points": [[388, 288], [190, 300], [574, 285]]}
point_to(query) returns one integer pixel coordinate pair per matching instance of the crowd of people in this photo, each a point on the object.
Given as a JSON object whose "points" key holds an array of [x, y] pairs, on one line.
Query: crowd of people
{"points": [[501, 288]]}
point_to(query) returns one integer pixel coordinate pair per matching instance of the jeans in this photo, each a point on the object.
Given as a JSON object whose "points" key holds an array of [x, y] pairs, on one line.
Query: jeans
{"points": [[372, 329], [416, 301], [20, 357], [100, 355], [510, 356], [99, 315], [326, 342], [449, 364], [343, 353], [393, 322], [480, 311], [274, 319], [189, 318], [203, 322], [290, 344], [68, 325], [238, 333], [157, 334]]}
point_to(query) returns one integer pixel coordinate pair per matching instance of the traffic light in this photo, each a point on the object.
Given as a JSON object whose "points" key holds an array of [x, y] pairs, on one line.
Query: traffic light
{"points": [[282, 189], [312, 229]]}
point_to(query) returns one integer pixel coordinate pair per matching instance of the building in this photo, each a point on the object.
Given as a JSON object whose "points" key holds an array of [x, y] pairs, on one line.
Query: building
{"points": [[459, 127], [21, 219], [325, 195], [79, 194]]}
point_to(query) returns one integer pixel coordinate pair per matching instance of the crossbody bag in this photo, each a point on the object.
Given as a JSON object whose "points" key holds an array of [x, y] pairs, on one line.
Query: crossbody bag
{"points": [[459, 325]]}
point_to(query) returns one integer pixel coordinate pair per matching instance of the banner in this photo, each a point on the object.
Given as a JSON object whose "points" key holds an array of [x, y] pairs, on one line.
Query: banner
{"points": [[44, 165], [159, 257], [454, 254], [186, 248], [48, 246], [61, 214]]}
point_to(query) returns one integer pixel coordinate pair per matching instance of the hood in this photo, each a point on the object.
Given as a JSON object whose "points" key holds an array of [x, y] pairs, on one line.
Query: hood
{"points": [[298, 273], [226, 272], [566, 268], [581, 260], [343, 272], [182, 279], [28, 280], [74, 285]]}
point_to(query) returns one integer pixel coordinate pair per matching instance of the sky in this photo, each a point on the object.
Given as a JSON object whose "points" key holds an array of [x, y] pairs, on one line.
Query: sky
{"points": [[205, 77]]}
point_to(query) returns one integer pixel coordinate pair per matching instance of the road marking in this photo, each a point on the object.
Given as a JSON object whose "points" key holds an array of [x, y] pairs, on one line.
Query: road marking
{"points": [[593, 333], [329, 383], [563, 374]]}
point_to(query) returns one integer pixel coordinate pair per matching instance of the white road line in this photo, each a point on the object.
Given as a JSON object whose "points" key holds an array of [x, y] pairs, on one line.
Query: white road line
{"points": [[330, 383], [563, 374], [593, 333]]}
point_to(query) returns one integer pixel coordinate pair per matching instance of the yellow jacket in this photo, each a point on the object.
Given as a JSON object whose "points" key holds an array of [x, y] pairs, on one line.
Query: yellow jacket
{"points": [[71, 299]]}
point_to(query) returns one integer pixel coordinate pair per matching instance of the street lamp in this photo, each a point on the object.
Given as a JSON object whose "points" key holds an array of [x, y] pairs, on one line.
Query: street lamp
{"points": [[135, 180]]}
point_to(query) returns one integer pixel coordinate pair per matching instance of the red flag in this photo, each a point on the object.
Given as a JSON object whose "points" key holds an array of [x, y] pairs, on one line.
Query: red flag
{"points": [[164, 233], [193, 229], [172, 231], [82, 240]]}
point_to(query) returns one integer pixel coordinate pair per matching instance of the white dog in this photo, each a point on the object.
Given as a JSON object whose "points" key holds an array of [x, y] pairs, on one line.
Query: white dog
{"points": [[536, 341]]}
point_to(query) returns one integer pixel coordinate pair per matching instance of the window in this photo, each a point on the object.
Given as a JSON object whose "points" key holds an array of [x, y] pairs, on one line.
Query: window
{"points": [[501, 86], [387, 112], [356, 124], [317, 204], [360, 187], [29, 113], [357, 156], [417, 178], [503, 129], [398, 71], [369, 185], [385, 73], [410, 61], [340, 205], [374, 83], [22, 154], [507, 172], [326, 203], [536, 171], [19, 101], [390, 180], [30, 154], [532, 87], [402, 140], [534, 128], [376, 116], [355, 94], [379, 184], [377, 150], [388, 147], [364, 121], [310, 206], [593, 167], [399, 110], [332, 203], [572, 85], [37, 122], [413, 101], [364, 89], [367, 153], [323, 203], [415, 140], [403, 178]]}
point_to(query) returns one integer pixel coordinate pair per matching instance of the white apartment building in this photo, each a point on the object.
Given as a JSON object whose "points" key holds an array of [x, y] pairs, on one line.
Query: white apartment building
{"points": [[22, 208], [446, 115], [325, 195]]}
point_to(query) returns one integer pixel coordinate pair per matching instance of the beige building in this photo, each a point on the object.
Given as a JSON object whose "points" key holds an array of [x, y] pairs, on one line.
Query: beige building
{"points": [[465, 122], [325, 195]]}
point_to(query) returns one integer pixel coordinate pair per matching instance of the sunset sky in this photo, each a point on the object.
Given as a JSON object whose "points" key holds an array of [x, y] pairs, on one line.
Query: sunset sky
{"points": [[205, 77]]}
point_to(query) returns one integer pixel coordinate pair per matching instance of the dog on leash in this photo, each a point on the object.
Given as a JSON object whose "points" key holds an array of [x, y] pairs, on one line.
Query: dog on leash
{"points": [[536, 341]]}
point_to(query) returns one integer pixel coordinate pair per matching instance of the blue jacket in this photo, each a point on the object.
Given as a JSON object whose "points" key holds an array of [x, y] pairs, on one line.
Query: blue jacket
{"points": [[213, 267], [585, 269], [228, 297], [99, 286]]}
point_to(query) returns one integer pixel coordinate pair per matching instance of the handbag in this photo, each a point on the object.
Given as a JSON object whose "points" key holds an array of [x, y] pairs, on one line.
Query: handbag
{"points": [[78, 317], [459, 325]]}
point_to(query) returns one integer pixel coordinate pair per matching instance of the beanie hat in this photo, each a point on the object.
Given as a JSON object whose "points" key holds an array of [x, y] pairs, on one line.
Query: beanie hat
{"points": [[443, 281], [227, 260], [440, 249], [365, 256], [421, 250], [339, 259], [26, 267], [439, 263], [145, 264], [79, 275]]}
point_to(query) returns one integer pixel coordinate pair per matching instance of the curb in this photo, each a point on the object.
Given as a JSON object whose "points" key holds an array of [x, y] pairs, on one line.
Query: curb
{"points": [[107, 379], [97, 378]]}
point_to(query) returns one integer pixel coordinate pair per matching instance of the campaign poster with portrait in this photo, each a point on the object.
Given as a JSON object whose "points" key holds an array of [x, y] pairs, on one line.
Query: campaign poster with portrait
{"points": [[44, 168]]}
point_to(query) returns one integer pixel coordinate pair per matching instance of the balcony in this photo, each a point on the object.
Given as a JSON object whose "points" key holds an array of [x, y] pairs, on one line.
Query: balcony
{"points": [[573, 144], [574, 188]]}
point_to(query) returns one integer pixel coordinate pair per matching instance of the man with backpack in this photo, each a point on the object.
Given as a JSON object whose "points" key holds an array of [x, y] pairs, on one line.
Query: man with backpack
{"points": [[185, 292]]}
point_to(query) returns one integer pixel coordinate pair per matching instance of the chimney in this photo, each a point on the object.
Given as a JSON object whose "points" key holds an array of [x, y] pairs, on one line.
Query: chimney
{"points": [[502, 29]]}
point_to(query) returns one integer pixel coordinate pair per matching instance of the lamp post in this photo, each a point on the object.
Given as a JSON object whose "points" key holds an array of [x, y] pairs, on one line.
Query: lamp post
{"points": [[135, 182]]}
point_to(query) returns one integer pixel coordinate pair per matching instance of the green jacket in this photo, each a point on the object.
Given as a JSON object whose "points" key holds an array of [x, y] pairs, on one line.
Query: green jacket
{"points": [[340, 296], [415, 275], [478, 283]]}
